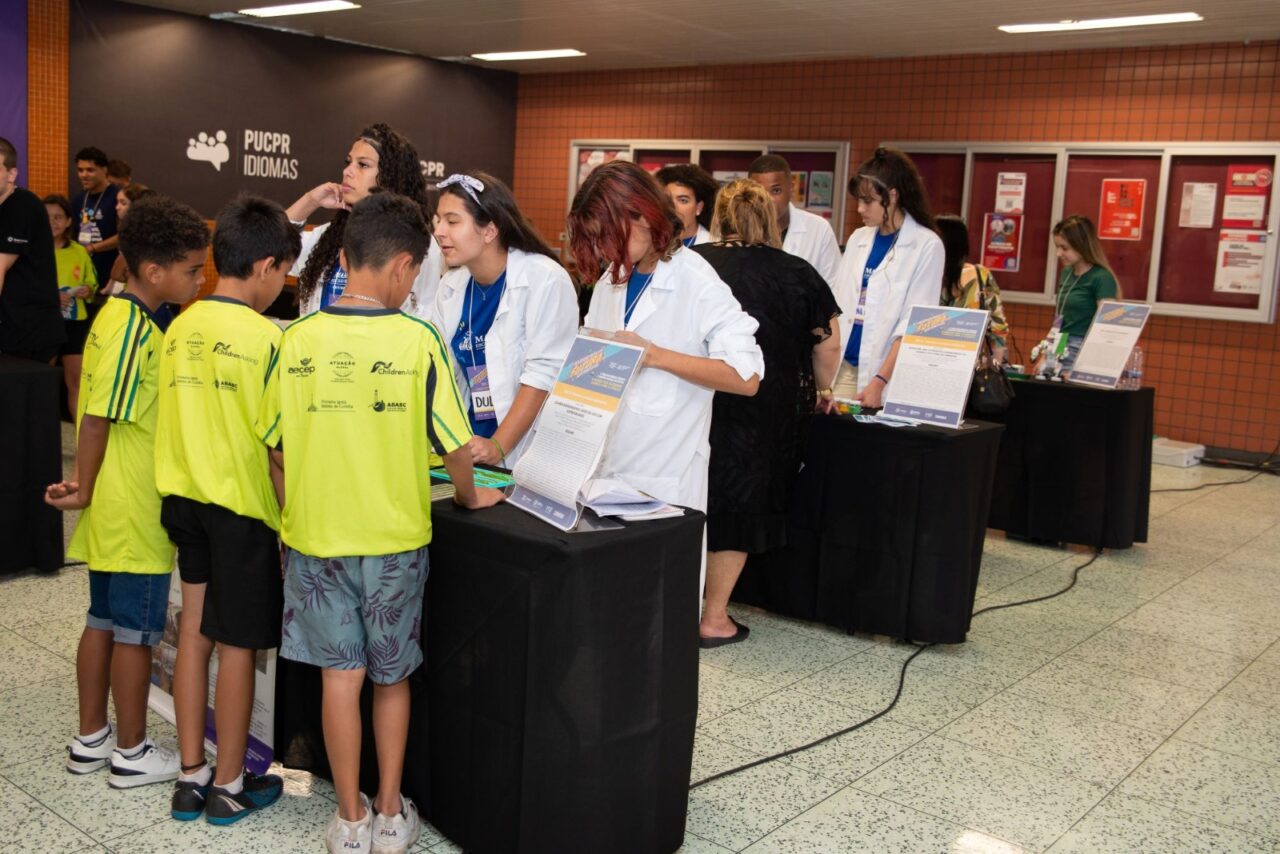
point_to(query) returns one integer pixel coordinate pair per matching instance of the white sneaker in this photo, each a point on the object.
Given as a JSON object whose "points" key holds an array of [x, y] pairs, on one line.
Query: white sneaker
{"points": [[350, 837], [396, 834], [149, 764], [85, 758]]}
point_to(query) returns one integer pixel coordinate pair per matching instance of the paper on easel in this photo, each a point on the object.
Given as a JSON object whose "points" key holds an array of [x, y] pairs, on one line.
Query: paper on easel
{"points": [[572, 428], [934, 371], [1111, 338]]}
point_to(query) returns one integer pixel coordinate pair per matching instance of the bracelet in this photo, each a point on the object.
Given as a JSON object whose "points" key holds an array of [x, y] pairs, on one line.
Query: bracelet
{"points": [[502, 455], [882, 379], [824, 392]]}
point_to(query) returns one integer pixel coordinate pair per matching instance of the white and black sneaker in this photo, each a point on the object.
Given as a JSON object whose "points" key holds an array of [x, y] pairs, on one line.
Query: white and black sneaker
{"points": [[256, 792], [396, 834], [85, 757], [143, 765]]}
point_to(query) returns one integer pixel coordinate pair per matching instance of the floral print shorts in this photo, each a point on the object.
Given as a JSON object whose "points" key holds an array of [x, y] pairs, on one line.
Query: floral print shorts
{"points": [[352, 613]]}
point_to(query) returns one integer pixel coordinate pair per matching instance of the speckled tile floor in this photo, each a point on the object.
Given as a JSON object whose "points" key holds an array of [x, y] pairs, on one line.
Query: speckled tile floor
{"points": [[1138, 713]]}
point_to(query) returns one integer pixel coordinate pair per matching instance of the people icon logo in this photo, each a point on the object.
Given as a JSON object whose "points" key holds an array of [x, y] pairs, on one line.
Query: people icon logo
{"points": [[209, 148]]}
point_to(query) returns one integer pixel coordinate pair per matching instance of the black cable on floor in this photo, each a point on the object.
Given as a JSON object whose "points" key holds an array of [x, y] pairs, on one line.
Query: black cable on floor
{"points": [[902, 681]]}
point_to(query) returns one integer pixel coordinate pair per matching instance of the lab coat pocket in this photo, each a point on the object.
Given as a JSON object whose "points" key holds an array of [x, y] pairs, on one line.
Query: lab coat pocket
{"points": [[653, 392]]}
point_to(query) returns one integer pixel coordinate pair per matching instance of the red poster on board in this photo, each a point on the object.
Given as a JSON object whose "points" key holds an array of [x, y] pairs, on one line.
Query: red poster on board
{"points": [[1001, 242], [1120, 214], [1244, 204]]}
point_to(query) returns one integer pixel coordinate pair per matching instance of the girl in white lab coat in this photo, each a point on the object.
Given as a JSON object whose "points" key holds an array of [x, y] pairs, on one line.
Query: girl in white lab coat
{"points": [[506, 308], [890, 264], [380, 157], [656, 293], [693, 194]]}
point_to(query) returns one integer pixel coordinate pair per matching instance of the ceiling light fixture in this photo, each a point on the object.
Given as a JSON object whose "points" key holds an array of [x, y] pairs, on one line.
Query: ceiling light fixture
{"points": [[511, 56], [1103, 23], [299, 8]]}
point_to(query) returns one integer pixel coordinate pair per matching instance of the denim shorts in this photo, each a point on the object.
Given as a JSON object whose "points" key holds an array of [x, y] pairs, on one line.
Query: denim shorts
{"points": [[353, 613], [132, 606]]}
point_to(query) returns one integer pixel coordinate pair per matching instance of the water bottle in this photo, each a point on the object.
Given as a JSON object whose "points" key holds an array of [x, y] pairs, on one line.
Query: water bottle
{"points": [[1131, 378]]}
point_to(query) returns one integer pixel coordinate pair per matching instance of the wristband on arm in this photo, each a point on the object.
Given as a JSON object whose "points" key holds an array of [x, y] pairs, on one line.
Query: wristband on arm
{"points": [[882, 379]]}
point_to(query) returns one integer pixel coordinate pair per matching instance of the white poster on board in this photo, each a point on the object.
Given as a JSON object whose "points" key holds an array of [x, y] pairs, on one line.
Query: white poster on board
{"points": [[1240, 258], [1011, 192], [1111, 338], [934, 371], [1199, 204], [260, 751]]}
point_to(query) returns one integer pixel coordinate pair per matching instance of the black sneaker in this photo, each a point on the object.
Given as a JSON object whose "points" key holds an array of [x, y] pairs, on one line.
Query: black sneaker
{"points": [[258, 792], [188, 799]]}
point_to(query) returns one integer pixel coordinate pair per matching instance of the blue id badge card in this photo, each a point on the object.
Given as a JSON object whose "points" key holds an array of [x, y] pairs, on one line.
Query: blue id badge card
{"points": [[481, 397]]}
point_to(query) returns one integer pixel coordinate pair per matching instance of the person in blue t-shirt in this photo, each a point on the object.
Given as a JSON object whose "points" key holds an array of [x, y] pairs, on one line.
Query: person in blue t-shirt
{"points": [[94, 208]]}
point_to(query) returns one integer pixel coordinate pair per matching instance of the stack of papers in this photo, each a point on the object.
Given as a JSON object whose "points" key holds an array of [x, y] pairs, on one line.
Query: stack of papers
{"points": [[613, 498]]}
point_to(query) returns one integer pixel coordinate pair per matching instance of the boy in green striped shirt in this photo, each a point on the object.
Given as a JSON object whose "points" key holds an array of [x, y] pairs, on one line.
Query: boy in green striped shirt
{"points": [[119, 534], [360, 395]]}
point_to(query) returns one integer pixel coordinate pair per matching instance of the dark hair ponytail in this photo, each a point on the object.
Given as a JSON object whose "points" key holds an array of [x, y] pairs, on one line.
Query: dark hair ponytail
{"points": [[498, 206], [890, 169], [399, 171]]}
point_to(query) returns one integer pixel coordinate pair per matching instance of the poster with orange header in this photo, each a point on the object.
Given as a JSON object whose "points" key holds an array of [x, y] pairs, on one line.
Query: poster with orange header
{"points": [[1120, 213]]}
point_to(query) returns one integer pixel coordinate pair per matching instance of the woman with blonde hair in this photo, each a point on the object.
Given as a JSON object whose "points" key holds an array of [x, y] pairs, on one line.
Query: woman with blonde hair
{"points": [[757, 442], [1086, 280]]}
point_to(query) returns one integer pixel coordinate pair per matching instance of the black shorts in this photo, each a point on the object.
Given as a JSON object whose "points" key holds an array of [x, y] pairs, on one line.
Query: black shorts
{"points": [[77, 332], [238, 559]]}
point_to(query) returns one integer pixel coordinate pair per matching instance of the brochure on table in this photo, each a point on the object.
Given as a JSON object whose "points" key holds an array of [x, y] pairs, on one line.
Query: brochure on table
{"points": [[934, 371], [1111, 338], [572, 429], [259, 753]]}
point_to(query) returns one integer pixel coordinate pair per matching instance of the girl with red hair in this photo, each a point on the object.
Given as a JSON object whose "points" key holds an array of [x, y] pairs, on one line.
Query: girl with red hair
{"points": [[654, 292]]}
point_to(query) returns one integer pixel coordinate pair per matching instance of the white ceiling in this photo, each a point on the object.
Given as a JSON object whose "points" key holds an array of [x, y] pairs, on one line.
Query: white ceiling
{"points": [[665, 33]]}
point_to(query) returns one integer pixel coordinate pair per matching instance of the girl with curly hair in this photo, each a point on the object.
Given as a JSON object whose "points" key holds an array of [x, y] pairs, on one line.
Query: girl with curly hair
{"points": [[380, 158]]}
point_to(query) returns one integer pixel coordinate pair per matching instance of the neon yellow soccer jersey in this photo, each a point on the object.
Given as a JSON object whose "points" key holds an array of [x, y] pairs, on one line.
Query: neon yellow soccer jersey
{"points": [[358, 400], [120, 530], [213, 375]]}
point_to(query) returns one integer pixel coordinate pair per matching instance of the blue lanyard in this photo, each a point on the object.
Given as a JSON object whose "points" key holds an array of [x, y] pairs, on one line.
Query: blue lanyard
{"points": [[641, 279]]}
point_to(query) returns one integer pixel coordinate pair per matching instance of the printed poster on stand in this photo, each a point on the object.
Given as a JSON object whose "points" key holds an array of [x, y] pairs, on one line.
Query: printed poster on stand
{"points": [[572, 428], [1244, 205], [1241, 255], [1111, 338], [260, 750], [1002, 242], [934, 371], [1120, 211]]}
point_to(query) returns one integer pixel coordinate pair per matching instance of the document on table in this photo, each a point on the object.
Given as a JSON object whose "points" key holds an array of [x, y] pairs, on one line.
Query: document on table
{"points": [[572, 428], [1111, 338], [934, 372], [608, 497]]}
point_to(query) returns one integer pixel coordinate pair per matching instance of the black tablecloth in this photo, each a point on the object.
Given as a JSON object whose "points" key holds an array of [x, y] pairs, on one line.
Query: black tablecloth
{"points": [[886, 530], [557, 707], [1075, 465], [30, 460]]}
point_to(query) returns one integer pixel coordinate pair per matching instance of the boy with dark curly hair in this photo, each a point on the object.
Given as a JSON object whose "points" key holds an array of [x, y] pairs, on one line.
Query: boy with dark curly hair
{"points": [[119, 535]]}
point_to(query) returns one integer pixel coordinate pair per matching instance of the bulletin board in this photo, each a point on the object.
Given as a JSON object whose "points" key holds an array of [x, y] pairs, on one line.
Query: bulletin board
{"points": [[1190, 255], [1191, 228], [1036, 214], [942, 173], [1088, 177]]}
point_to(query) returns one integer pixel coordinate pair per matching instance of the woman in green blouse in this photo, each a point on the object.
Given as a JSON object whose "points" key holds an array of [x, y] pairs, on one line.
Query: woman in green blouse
{"points": [[1086, 280]]}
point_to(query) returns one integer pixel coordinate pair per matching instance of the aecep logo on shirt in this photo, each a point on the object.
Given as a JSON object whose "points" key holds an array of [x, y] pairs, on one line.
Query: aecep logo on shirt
{"points": [[304, 368]]}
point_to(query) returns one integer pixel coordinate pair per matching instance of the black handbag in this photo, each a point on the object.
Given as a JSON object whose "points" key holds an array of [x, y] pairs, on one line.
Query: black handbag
{"points": [[991, 393]]}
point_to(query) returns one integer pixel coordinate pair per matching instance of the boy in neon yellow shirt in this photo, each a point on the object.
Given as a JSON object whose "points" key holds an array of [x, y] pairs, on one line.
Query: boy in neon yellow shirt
{"points": [[119, 534], [220, 506], [360, 394]]}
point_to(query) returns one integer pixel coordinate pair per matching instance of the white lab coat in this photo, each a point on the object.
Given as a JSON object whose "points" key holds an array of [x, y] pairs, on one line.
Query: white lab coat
{"points": [[811, 237], [703, 236], [660, 440], [536, 323], [420, 296], [911, 274]]}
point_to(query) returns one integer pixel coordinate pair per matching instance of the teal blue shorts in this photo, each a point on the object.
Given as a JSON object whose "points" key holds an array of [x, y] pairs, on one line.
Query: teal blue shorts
{"points": [[355, 613]]}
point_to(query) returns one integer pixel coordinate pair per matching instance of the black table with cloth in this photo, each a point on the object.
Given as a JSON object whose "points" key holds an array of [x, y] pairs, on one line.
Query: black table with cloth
{"points": [[886, 530], [30, 460], [557, 704], [1075, 464]]}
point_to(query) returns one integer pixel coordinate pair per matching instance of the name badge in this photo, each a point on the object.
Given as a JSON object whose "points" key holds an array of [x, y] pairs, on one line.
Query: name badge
{"points": [[860, 313], [481, 397]]}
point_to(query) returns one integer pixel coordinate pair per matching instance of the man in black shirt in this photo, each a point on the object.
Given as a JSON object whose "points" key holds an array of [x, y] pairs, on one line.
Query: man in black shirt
{"points": [[30, 314]]}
